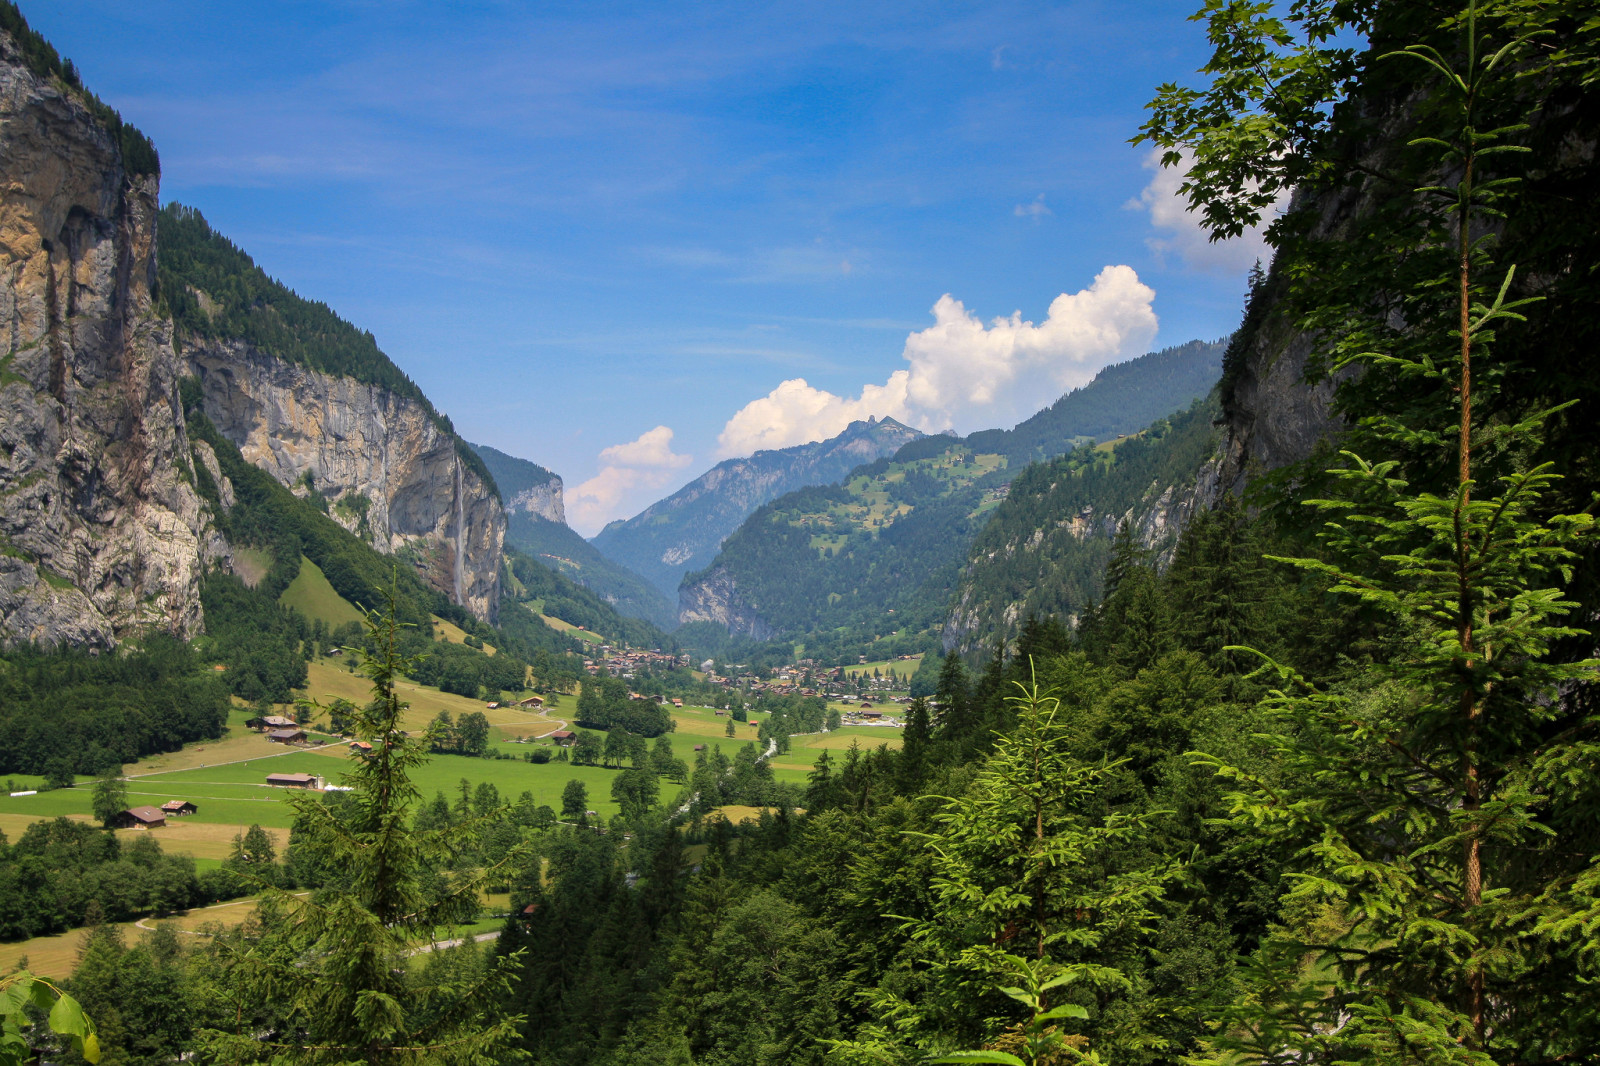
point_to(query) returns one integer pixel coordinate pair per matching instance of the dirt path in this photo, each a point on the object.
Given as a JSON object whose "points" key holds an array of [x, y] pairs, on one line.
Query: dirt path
{"points": [[442, 944]]}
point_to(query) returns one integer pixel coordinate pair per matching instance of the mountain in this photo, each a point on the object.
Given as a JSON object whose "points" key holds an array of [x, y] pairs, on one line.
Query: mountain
{"points": [[878, 556], [536, 525], [682, 532], [131, 365], [525, 488], [556, 545], [311, 399], [1043, 551]]}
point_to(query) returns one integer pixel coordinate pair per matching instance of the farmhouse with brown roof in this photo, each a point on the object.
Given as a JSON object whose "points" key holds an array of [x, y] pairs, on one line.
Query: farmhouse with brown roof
{"points": [[178, 808], [140, 818], [292, 780]]}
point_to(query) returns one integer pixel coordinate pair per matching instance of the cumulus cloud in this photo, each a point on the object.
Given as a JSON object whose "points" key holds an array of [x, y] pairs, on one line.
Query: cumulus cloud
{"points": [[966, 375], [644, 463], [1181, 232]]}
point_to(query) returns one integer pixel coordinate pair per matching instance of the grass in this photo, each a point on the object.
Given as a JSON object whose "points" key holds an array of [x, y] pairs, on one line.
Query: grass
{"points": [[900, 667], [451, 633], [251, 565], [312, 595]]}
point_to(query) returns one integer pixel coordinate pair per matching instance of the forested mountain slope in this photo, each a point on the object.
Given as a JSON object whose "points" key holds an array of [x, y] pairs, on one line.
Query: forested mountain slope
{"points": [[525, 487], [1043, 552], [682, 532], [879, 555]]}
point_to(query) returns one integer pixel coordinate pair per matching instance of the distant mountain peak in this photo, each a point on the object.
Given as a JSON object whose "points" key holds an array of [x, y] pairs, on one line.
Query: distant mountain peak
{"points": [[682, 532]]}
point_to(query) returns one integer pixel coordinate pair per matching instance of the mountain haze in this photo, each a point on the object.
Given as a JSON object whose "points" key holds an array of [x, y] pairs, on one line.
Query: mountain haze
{"points": [[682, 532]]}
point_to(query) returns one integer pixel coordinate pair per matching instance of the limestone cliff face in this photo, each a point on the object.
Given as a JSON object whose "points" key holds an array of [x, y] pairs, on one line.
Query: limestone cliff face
{"points": [[548, 501], [389, 473], [101, 532], [714, 598]]}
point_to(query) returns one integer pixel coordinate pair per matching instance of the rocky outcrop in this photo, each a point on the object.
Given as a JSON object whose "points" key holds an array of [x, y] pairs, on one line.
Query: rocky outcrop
{"points": [[714, 597], [525, 488], [101, 532], [388, 472], [546, 501]]}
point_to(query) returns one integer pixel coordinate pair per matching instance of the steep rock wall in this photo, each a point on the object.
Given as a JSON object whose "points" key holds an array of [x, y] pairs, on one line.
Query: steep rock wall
{"points": [[101, 532], [546, 501], [388, 472], [715, 598]]}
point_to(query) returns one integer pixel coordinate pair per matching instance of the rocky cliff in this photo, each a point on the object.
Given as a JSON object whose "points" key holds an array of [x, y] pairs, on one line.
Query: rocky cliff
{"points": [[388, 472], [101, 532], [714, 597]]}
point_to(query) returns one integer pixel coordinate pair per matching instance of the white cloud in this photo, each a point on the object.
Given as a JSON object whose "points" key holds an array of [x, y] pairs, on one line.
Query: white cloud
{"points": [[1035, 210], [641, 465], [1182, 233], [653, 448], [964, 374]]}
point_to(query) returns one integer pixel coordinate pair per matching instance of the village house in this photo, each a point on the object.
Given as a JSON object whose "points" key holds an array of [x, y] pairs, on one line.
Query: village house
{"points": [[178, 808], [292, 780], [361, 747], [287, 736], [564, 737], [139, 818]]}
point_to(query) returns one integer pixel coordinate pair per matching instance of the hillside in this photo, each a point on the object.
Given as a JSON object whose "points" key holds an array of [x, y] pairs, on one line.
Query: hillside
{"points": [[1043, 551], [879, 555], [557, 545], [547, 591], [682, 532], [525, 487]]}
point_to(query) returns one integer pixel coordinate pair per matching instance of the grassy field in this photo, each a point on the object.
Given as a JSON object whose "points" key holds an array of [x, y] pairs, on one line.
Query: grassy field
{"points": [[311, 595], [55, 956], [451, 633], [901, 667]]}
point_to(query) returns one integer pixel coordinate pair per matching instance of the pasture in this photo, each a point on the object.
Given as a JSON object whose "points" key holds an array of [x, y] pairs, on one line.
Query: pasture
{"points": [[311, 594]]}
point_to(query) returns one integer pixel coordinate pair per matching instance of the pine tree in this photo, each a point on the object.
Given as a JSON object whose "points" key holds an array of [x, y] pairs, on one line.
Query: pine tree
{"points": [[335, 964]]}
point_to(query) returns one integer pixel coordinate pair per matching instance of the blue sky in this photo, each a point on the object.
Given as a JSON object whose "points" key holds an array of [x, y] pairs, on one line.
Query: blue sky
{"points": [[604, 236]]}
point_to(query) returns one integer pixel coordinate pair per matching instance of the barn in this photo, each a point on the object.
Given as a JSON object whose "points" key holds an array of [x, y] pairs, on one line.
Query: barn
{"points": [[292, 780], [178, 808], [140, 818]]}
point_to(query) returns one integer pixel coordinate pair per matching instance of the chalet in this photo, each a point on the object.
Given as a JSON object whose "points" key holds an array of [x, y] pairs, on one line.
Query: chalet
{"points": [[491, 706], [287, 736], [270, 721], [292, 780], [873, 715], [866, 706], [677, 703], [532, 701], [699, 747], [565, 737], [140, 818], [361, 747], [178, 808]]}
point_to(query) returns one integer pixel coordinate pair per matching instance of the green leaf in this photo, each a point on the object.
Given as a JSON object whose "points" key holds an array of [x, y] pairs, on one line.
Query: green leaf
{"points": [[979, 1056]]}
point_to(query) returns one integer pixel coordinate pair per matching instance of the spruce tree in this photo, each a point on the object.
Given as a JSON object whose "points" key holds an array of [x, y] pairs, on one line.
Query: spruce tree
{"points": [[334, 965]]}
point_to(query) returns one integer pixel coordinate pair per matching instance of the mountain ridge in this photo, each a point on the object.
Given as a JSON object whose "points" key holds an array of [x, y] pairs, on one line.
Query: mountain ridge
{"points": [[682, 532]]}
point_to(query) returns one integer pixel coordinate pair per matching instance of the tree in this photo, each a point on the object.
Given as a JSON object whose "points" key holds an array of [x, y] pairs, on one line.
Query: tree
{"points": [[635, 790], [442, 735], [1428, 805], [334, 964], [574, 800], [110, 797], [730, 730], [1036, 900], [472, 733]]}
